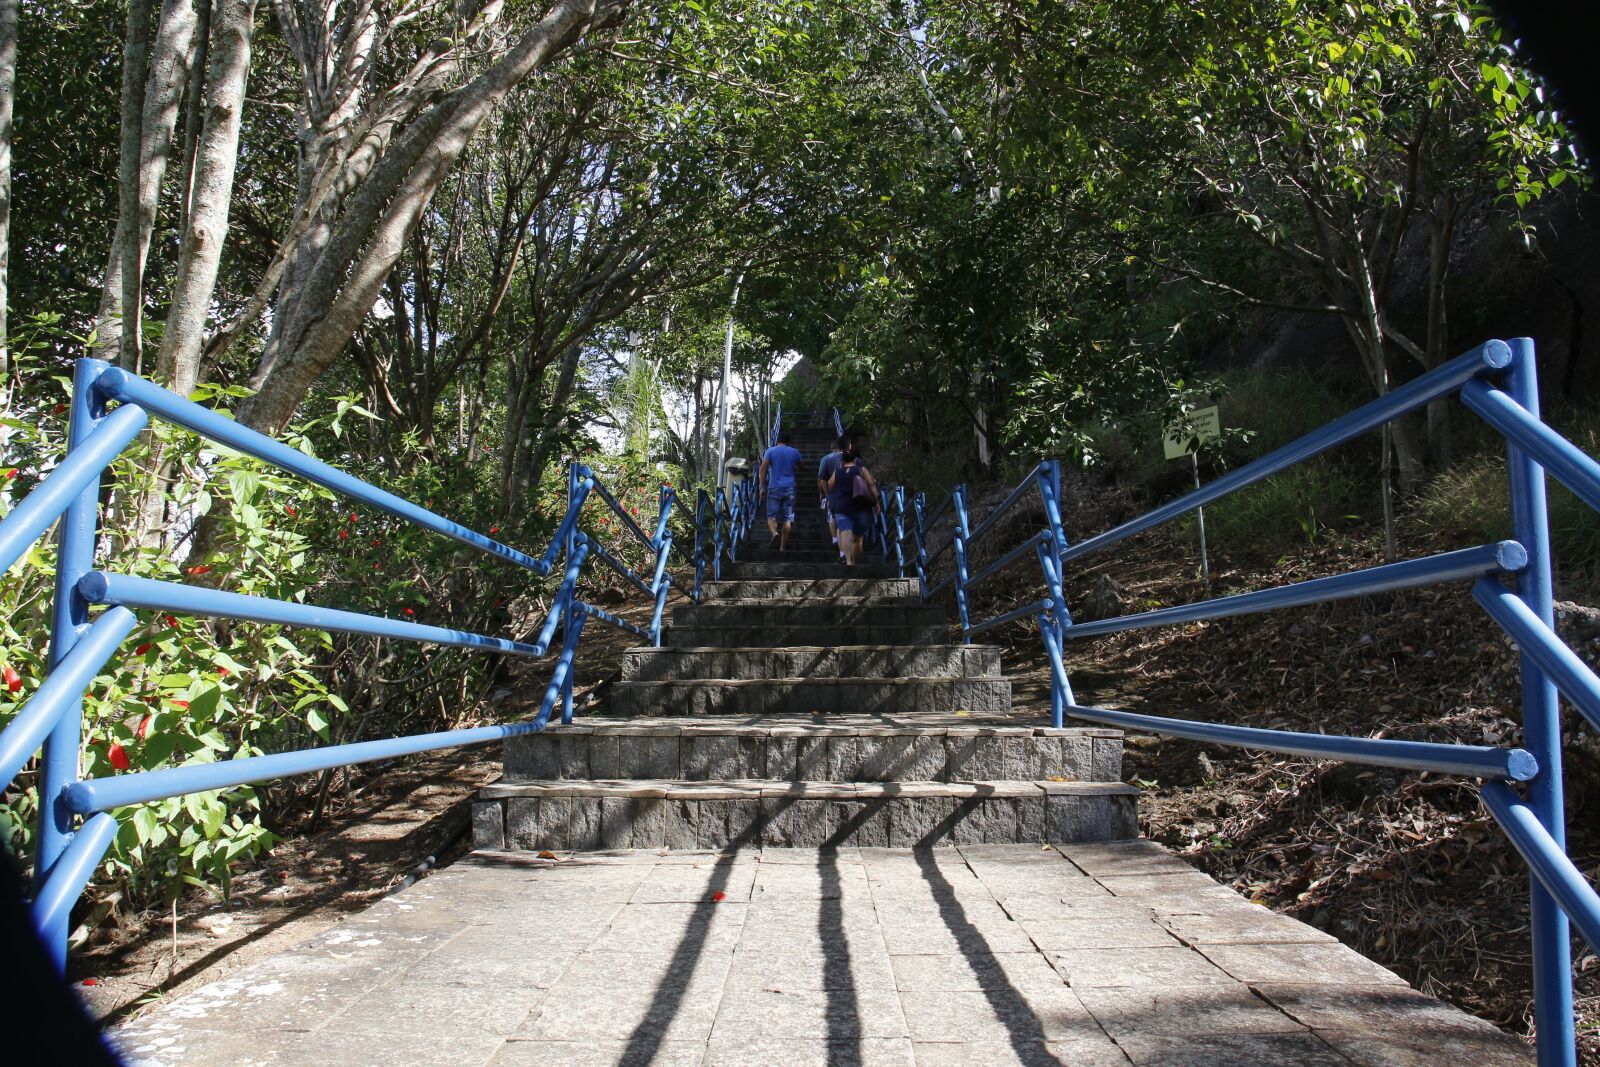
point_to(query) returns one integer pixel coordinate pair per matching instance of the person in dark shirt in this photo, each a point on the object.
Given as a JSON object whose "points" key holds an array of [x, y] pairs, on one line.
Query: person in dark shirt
{"points": [[777, 473], [825, 469], [852, 500]]}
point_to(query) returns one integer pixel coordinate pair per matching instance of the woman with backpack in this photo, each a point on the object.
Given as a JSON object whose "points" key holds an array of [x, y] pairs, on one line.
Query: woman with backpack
{"points": [[852, 498]]}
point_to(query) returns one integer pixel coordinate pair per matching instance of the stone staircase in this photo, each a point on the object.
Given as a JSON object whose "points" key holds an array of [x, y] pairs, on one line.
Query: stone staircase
{"points": [[802, 703]]}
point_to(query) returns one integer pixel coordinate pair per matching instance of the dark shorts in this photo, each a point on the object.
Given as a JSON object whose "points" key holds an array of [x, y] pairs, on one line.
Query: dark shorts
{"points": [[853, 520], [780, 504]]}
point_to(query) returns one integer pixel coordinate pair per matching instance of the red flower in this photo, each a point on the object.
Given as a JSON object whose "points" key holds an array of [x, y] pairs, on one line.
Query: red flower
{"points": [[409, 611], [374, 566], [144, 727], [13, 679], [291, 512], [142, 649], [60, 408], [10, 474], [430, 504], [352, 516], [172, 621], [223, 672], [344, 535], [119, 756], [201, 569], [377, 542], [184, 704], [91, 981], [718, 897], [494, 529], [498, 602]]}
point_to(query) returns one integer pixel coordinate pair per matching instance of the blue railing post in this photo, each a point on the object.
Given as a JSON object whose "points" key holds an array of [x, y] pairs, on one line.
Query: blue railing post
{"points": [[960, 498], [69, 619], [719, 507], [1541, 729], [577, 615], [919, 533], [900, 531], [1055, 629]]}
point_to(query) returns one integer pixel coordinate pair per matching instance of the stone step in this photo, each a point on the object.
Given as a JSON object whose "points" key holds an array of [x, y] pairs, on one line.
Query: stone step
{"points": [[806, 636], [745, 570], [761, 554], [789, 696], [532, 816], [800, 588], [835, 749], [854, 661], [760, 615]]}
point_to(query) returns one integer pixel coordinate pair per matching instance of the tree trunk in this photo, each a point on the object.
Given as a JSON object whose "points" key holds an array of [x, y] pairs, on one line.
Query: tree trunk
{"points": [[1441, 235], [379, 216], [200, 253], [152, 81], [8, 81]]}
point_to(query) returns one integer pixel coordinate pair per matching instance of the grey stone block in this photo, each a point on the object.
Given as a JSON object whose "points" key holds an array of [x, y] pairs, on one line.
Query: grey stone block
{"points": [[844, 759], [647, 822], [522, 823], [921, 822], [781, 758], [861, 822], [795, 822], [811, 759], [532, 757], [681, 819], [1070, 819], [709, 757], [649, 756], [1030, 818], [616, 822], [743, 823], [573, 750], [488, 824], [1107, 759], [604, 756]]}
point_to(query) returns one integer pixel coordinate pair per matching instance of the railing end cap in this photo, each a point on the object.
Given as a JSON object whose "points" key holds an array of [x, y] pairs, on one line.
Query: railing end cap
{"points": [[95, 587], [1521, 765], [1496, 355], [1510, 556]]}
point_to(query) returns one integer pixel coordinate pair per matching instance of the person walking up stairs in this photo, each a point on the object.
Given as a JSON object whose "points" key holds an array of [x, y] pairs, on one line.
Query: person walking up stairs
{"points": [[777, 477]]}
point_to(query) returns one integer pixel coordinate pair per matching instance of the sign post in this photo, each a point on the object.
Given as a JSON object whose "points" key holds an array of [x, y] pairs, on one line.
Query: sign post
{"points": [[1180, 440]]}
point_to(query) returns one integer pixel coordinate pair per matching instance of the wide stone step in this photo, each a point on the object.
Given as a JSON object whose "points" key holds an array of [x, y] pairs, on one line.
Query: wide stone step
{"points": [[835, 749], [789, 696], [805, 636], [853, 661], [802, 588], [533, 816], [791, 569], [759, 615]]}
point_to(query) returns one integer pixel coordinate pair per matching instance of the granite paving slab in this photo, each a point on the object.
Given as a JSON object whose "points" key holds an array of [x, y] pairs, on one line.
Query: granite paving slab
{"points": [[978, 954]]}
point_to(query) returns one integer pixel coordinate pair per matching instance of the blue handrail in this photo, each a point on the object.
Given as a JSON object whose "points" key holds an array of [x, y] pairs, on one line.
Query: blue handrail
{"points": [[1497, 381], [67, 852]]}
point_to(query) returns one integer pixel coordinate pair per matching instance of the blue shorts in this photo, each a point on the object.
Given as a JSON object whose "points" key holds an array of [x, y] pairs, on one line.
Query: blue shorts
{"points": [[853, 520], [780, 504]]}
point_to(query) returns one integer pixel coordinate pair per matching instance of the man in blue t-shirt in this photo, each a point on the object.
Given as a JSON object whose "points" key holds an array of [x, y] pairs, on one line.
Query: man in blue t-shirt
{"points": [[825, 469], [777, 485]]}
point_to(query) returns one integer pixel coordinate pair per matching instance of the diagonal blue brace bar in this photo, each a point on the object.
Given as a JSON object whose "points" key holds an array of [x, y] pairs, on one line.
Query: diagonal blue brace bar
{"points": [[62, 691], [101, 587], [1474, 761], [72, 872], [33, 515]]}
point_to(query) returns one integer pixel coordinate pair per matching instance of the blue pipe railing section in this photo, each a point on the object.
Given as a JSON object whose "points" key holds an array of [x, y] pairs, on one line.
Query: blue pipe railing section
{"points": [[109, 408], [1522, 786]]}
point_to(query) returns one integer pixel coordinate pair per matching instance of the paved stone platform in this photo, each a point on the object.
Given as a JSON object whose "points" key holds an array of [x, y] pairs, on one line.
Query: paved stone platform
{"points": [[1089, 955]]}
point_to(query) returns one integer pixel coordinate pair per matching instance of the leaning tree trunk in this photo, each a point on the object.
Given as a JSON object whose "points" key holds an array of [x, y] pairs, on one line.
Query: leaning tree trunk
{"points": [[8, 81]]}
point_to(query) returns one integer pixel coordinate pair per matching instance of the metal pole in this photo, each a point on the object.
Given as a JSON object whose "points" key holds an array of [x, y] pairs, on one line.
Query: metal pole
{"points": [[69, 621], [1200, 516], [727, 380], [1541, 730], [960, 536]]}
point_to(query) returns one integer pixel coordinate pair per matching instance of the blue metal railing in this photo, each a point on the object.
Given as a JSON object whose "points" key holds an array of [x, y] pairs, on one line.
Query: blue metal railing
{"points": [[1498, 382], [67, 852]]}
